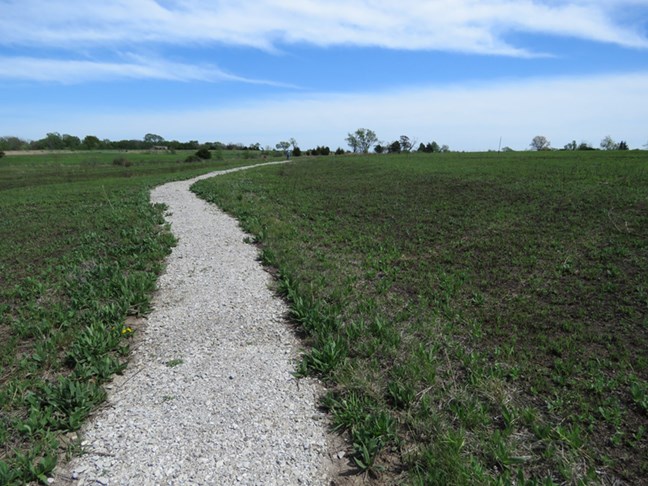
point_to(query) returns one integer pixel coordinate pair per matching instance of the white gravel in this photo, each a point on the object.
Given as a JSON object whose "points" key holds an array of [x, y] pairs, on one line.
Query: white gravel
{"points": [[208, 396]]}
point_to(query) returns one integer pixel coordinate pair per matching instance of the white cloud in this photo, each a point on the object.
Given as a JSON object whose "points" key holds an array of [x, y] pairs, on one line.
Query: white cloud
{"points": [[464, 117], [476, 26], [134, 67]]}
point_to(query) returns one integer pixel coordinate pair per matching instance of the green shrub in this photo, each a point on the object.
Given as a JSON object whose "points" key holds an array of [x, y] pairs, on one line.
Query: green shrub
{"points": [[204, 154]]}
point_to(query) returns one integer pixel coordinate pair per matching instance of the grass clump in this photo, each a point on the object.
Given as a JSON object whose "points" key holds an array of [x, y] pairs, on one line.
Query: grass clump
{"points": [[489, 311], [122, 161]]}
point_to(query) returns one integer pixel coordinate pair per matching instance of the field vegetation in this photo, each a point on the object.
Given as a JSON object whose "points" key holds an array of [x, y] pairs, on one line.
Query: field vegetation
{"points": [[80, 251], [478, 318]]}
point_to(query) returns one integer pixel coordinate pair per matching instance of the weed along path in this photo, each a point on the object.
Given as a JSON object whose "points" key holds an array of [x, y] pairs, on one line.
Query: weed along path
{"points": [[209, 396]]}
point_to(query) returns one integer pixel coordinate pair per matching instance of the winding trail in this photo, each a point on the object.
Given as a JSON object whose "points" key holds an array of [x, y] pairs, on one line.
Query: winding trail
{"points": [[208, 396]]}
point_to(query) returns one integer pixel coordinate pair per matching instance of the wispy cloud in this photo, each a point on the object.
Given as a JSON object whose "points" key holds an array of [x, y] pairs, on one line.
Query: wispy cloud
{"points": [[68, 71], [475, 26]]}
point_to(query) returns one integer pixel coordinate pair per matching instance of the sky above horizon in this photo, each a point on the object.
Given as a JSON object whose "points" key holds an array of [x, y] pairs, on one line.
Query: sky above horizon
{"points": [[465, 73]]}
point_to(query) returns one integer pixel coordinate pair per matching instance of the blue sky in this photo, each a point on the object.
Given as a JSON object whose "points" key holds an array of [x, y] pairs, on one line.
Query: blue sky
{"points": [[460, 72]]}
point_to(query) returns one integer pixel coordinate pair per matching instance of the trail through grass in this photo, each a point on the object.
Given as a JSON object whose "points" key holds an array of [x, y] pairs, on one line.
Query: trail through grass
{"points": [[479, 318], [80, 251]]}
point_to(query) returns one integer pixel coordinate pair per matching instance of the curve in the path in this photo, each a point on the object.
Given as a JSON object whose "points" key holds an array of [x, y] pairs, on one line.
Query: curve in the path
{"points": [[209, 396]]}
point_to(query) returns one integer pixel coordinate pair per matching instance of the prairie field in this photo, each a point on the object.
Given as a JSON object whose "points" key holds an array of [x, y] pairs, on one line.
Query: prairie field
{"points": [[80, 251], [478, 318]]}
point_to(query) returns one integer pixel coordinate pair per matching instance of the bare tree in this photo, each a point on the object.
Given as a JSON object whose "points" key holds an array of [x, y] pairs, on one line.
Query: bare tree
{"points": [[540, 142], [571, 145]]}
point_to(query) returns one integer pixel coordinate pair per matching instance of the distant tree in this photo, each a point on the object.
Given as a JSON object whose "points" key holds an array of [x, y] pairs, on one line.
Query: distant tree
{"points": [[70, 141], [379, 149], [12, 143], [339, 151], [52, 141], [153, 139], [623, 145], [362, 140], [232, 146], [540, 142], [571, 145], [507, 149], [135, 144], [353, 142], [585, 146], [283, 145], [319, 151], [394, 147], [293, 142], [405, 143], [421, 147], [433, 147], [90, 142], [297, 152], [608, 144]]}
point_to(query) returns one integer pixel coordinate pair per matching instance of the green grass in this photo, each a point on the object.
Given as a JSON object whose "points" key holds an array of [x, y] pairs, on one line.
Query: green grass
{"points": [[478, 318], [80, 250]]}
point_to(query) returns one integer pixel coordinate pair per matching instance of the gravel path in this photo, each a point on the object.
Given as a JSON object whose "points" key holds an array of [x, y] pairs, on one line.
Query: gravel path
{"points": [[209, 396]]}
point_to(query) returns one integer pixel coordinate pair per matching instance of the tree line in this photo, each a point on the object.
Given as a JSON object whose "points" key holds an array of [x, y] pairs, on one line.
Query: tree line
{"points": [[540, 142], [363, 140], [57, 141]]}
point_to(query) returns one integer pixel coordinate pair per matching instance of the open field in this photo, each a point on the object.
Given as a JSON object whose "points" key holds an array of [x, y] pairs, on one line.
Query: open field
{"points": [[80, 251], [479, 318]]}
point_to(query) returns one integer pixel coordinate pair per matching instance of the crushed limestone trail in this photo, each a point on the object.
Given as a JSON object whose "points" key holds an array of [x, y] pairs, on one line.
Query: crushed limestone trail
{"points": [[208, 396]]}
